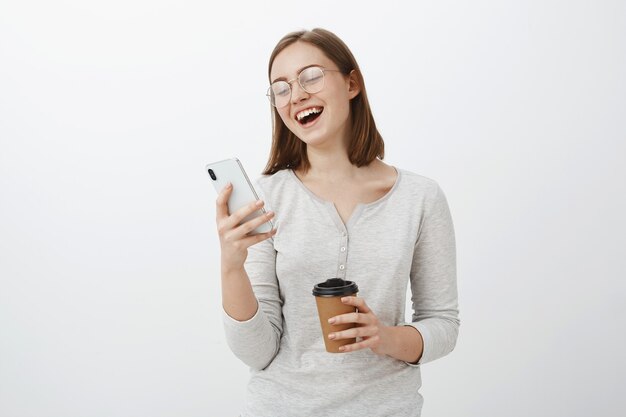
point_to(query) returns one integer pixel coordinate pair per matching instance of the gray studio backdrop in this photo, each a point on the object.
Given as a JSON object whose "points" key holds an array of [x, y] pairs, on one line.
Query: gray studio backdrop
{"points": [[109, 259]]}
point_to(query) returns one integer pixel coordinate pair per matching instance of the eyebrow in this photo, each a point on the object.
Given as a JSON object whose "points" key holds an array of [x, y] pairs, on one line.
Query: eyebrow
{"points": [[299, 71]]}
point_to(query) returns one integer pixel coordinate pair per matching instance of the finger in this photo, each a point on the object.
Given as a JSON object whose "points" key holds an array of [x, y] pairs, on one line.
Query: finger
{"points": [[222, 201], [358, 302], [247, 227], [254, 239], [350, 318], [365, 331], [363, 344], [237, 216]]}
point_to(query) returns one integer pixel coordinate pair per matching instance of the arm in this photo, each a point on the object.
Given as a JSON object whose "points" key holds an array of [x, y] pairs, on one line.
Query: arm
{"points": [[434, 327], [252, 333], [406, 344], [433, 280], [238, 299]]}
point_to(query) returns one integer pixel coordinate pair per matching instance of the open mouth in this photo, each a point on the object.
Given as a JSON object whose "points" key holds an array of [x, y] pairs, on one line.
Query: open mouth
{"points": [[308, 116]]}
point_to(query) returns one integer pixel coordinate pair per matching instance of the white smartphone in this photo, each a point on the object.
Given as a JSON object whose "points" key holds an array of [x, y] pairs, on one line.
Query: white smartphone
{"points": [[231, 170]]}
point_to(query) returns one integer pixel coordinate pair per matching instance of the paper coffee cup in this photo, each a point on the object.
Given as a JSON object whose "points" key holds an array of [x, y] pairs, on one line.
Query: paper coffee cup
{"points": [[328, 297]]}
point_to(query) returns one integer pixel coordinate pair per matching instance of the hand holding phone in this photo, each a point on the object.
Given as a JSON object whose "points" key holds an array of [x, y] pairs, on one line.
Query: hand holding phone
{"points": [[242, 194]]}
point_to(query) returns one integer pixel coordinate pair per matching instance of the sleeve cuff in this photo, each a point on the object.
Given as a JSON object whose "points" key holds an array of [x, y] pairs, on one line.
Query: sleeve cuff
{"points": [[423, 330], [231, 321]]}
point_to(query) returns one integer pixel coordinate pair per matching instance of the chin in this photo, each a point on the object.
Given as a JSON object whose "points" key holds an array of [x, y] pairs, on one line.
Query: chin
{"points": [[314, 138]]}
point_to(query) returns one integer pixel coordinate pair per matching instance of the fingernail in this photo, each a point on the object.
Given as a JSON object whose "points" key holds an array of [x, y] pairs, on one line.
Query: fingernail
{"points": [[259, 203], [341, 348], [331, 336], [344, 299], [332, 320]]}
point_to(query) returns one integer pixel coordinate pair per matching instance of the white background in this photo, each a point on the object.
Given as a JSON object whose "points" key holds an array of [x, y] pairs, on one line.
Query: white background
{"points": [[109, 258]]}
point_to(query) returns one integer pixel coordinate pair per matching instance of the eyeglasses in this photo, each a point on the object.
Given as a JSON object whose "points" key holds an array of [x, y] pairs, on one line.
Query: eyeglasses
{"points": [[311, 80]]}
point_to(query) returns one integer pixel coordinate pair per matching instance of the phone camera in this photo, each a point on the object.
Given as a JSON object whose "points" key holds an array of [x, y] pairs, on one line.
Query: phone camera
{"points": [[212, 174]]}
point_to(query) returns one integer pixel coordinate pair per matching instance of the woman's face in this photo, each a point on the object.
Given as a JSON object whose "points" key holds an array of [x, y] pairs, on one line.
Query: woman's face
{"points": [[332, 102]]}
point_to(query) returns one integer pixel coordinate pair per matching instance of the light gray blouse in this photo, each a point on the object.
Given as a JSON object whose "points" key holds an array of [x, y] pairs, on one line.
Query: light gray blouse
{"points": [[404, 238]]}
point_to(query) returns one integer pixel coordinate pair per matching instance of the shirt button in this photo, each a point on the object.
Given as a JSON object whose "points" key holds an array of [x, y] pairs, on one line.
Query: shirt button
{"points": [[342, 267], [343, 248]]}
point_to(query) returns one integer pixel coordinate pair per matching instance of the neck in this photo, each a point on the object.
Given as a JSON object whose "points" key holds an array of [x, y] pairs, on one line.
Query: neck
{"points": [[329, 165]]}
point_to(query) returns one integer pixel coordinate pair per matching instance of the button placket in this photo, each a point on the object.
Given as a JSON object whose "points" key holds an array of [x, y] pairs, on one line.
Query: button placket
{"points": [[343, 255]]}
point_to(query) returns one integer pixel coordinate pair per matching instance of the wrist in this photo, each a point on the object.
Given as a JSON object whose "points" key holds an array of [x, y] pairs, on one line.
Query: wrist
{"points": [[229, 271], [388, 340], [401, 342]]}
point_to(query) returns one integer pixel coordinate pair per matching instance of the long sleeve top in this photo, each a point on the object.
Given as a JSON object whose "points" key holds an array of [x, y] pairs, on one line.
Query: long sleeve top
{"points": [[405, 238]]}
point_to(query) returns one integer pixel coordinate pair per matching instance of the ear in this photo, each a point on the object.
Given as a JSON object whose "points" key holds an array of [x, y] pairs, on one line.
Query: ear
{"points": [[353, 85]]}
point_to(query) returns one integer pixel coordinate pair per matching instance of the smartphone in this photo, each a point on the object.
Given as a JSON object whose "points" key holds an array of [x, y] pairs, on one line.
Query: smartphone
{"points": [[231, 170]]}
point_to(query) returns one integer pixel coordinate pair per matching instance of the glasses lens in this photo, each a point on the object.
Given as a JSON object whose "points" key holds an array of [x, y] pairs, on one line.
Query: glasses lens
{"points": [[312, 79], [279, 93]]}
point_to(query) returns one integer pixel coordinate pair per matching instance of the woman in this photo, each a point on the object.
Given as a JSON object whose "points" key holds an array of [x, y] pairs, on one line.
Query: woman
{"points": [[340, 212]]}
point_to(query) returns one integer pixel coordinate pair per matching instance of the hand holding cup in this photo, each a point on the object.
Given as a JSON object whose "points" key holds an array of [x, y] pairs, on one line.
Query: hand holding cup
{"points": [[363, 324]]}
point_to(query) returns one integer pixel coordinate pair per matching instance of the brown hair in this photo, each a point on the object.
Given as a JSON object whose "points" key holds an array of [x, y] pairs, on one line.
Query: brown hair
{"points": [[366, 142]]}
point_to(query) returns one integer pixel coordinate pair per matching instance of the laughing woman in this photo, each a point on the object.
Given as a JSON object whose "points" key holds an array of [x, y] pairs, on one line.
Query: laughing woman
{"points": [[341, 212]]}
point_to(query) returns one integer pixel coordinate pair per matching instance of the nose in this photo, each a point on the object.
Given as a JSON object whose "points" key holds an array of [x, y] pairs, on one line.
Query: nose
{"points": [[297, 93]]}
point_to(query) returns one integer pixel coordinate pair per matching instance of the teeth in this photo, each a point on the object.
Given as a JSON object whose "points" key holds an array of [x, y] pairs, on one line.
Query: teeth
{"points": [[306, 112]]}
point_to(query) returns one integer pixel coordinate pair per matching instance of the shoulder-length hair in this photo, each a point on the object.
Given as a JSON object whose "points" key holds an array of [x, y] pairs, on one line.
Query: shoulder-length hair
{"points": [[366, 143]]}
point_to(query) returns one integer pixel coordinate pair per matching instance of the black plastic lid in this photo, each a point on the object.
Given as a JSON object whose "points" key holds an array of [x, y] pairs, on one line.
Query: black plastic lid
{"points": [[335, 287]]}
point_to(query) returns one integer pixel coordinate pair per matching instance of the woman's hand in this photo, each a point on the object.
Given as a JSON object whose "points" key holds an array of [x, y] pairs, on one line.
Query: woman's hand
{"points": [[374, 335], [234, 238]]}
